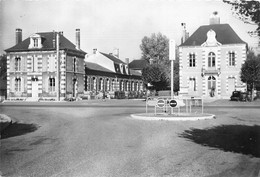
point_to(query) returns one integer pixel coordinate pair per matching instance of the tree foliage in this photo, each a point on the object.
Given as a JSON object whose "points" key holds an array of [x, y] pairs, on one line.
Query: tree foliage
{"points": [[3, 67], [250, 71], [247, 11], [156, 48]]}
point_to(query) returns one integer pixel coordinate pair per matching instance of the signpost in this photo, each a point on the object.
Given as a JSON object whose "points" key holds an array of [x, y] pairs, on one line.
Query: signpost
{"points": [[172, 58], [161, 103], [173, 103]]}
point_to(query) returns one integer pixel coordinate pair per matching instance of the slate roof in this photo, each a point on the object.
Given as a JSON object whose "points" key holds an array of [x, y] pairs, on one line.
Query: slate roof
{"points": [[113, 58], [224, 34], [138, 64], [97, 67], [47, 43], [134, 72]]}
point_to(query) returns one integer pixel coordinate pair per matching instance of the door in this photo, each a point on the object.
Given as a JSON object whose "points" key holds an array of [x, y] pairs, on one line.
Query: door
{"points": [[35, 89], [231, 85], [211, 86]]}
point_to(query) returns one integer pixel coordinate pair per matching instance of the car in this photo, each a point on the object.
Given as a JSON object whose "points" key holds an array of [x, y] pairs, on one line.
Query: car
{"points": [[238, 96]]}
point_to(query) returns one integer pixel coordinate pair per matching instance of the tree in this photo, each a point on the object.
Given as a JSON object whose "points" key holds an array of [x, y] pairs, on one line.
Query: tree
{"points": [[3, 67], [250, 71], [156, 48], [247, 11], [156, 76]]}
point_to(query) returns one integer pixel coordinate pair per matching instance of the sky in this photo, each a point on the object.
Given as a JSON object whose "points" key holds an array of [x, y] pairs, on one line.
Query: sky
{"points": [[110, 24]]}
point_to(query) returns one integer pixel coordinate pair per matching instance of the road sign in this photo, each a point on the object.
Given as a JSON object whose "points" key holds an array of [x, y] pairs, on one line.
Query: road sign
{"points": [[161, 103], [173, 103]]}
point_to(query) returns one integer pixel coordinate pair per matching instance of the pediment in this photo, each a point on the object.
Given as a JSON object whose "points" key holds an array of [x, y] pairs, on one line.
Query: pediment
{"points": [[211, 39]]}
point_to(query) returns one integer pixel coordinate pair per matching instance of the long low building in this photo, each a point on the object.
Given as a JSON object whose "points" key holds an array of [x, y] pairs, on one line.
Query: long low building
{"points": [[106, 73]]}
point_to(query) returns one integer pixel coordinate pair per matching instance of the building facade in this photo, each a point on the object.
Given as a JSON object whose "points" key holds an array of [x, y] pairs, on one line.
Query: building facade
{"points": [[34, 73], [211, 60], [107, 73]]}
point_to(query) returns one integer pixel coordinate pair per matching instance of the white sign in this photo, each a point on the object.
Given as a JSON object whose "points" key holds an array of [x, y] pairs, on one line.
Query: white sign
{"points": [[172, 49]]}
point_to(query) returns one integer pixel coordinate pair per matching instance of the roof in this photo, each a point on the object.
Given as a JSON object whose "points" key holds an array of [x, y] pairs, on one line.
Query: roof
{"points": [[47, 43], [97, 67], [113, 58], [135, 73], [138, 64], [224, 34]]}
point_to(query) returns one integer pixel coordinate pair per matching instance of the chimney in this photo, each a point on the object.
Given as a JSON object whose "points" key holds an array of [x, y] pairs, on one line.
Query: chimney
{"points": [[127, 61], [18, 35], [94, 51], [78, 39], [214, 18], [185, 34], [116, 52]]}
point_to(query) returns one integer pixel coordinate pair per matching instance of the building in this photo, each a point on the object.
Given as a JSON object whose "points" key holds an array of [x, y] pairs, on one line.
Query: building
{"points": [[107, 73], [211, 60], [33, 72], [138, 65]]}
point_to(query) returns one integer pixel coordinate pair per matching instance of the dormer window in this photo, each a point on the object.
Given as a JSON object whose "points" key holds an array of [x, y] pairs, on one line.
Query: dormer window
{"points": [[35, 41]]}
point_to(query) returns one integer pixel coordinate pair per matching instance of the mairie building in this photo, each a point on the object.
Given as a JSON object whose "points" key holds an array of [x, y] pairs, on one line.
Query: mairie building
{"points": [[211, 60], [33, 68]]}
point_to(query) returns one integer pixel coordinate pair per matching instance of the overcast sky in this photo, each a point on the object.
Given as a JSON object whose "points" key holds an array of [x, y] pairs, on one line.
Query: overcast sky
{"points": [[109, 24]]}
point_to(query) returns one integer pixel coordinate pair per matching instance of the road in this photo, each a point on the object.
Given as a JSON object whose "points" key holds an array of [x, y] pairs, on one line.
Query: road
{"points": [[105, 141]]}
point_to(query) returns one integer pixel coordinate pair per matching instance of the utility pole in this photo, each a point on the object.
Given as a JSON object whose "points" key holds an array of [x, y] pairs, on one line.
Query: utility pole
{"points": [[58, 64]]}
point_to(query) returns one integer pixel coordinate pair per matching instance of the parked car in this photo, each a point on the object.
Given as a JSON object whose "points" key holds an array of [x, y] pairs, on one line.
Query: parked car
{"points": [[239, 96]]}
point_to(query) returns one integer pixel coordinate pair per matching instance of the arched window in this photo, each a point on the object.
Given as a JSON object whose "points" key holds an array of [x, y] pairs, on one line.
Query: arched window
{"points": [[211, 59], [17, 64], [18, 84]]}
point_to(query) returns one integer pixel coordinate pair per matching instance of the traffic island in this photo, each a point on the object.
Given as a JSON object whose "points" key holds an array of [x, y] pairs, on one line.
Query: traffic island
{"points": [[173, 117]]}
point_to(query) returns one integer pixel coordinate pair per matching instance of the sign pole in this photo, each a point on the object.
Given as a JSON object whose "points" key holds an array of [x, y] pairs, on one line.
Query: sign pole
{"points": [[172, 58]]}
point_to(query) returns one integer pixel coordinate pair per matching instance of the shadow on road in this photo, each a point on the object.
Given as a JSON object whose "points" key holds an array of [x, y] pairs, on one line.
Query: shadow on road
{"points": [[233, 138], [16, 129]]}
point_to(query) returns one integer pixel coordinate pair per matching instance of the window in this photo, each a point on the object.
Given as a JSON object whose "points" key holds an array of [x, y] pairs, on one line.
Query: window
{"points": [[17, 64], [231, 58], [35, 42], [192, 60], [52, 84], [211, 60], [18, 84], [34, 64], [74, 64]]}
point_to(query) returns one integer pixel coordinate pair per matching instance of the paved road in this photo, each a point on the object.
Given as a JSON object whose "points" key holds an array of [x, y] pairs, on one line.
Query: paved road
{"points": [[105, 141]]}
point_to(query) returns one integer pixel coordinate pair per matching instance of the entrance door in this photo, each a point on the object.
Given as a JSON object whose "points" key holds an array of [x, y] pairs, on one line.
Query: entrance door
{"points": [[231, 85], [35, 89], [212, 86]]}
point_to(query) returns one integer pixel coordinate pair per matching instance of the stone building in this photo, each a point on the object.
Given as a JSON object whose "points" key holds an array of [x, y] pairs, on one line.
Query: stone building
{"points": [[107, 73], [211, 60], [34, 73]]}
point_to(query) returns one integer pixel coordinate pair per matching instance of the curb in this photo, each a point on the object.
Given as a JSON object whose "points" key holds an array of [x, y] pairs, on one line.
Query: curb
{"points": [[182, 117]]}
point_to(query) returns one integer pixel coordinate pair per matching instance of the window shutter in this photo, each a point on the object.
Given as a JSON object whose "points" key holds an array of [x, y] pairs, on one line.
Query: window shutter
{"points": [[47, 84], [22, 84], [12, 84], [12, 64]]}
